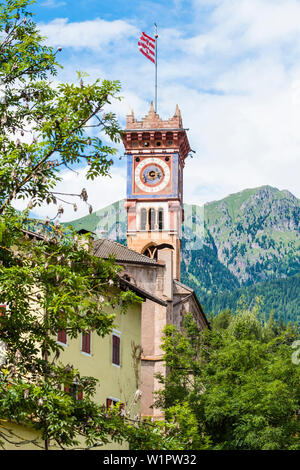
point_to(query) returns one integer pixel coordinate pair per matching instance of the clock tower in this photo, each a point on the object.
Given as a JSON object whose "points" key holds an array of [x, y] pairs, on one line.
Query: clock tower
{"points": [[156, 150]]}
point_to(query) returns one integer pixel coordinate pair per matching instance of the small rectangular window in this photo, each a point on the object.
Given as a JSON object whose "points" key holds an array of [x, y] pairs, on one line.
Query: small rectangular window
{"points": [[116, 350], [74, 391], [62, 336], [109, 403], [112, 402], [86, 342], [2, 309]]}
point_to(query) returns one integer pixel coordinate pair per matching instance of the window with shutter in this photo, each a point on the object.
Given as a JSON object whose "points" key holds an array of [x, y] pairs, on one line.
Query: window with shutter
{"points": [[109, 402], [116, 350], [86, 342], [152, 218], [112, 402], [143, 219], [74, 391], [62, 336], [2, 309], [160, 219]]}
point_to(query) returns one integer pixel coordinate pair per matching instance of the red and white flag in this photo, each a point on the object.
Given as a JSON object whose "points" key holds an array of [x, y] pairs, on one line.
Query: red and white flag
{"points": [[147, 47]]}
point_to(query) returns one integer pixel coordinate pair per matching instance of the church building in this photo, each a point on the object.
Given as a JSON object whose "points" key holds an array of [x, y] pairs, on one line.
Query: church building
{"points": [[156, 152]]}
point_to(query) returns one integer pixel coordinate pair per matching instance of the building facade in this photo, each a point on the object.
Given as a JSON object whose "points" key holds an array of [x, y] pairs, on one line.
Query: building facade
{"points": [[114, 360]]}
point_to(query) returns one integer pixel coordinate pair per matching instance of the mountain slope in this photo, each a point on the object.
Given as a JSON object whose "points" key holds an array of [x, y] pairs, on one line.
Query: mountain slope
{"points": [[109, 222], [244, 239], [254, 234], [280, 296]]}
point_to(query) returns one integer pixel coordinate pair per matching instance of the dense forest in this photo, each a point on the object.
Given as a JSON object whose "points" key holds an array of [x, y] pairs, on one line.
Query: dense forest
{"points": [[280, 296]]}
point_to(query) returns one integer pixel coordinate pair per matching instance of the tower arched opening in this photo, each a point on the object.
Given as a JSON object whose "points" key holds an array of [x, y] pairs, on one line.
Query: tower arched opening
{"points": [[152, 250]]}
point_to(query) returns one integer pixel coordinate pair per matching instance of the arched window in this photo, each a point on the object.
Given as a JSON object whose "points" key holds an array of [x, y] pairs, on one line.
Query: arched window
{"points": [[151, 218], [143, 219], [160, 219]]}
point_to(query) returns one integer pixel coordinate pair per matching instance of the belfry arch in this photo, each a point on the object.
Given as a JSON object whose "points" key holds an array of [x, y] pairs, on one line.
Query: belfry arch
{"points": [[152, 250]]}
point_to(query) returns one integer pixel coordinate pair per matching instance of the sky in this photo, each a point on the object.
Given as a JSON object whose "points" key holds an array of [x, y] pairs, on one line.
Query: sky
{"points": [[232, 66]]}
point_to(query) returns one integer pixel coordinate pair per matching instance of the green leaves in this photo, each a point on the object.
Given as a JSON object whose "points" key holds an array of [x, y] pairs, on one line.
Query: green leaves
{"points": [[49, 280], [46, 126], [58, 416], [237, 381], [50, 283]]}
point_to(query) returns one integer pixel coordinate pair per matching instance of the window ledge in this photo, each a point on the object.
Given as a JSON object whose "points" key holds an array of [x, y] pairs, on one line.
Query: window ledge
{"points": [[86, 354]]}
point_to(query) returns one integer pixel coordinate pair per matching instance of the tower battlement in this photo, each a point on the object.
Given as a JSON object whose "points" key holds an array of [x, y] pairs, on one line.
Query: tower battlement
{"points": [[153, 121], [154, 134]]}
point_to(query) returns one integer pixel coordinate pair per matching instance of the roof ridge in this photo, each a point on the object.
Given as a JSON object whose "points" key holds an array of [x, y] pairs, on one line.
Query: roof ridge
{"points": [[126, 247], [190, 289], [122, 251]]}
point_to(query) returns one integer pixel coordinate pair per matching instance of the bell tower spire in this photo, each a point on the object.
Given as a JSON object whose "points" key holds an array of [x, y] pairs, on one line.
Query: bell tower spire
{"points": [[156, 150]]}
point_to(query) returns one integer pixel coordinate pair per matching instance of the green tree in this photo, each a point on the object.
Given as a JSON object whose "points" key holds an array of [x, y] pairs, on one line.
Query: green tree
{"points": [[178, 431], [45, 126], [239, 382], [49, 281], [48, 286]]}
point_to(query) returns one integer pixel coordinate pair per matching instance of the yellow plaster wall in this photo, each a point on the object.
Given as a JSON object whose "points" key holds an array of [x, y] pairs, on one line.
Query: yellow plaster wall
{"points": [[118, 382], [114, 382]]}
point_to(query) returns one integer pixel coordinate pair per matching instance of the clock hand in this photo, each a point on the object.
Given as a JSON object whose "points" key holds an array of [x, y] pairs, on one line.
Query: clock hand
{"points": [[155, 174]]}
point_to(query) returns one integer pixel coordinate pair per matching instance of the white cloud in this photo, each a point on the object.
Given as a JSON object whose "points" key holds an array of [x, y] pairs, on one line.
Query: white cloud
{"points": [[265, 21], [236, 24], [52, 4], [94, 34], [236, 81], [238, 87]]}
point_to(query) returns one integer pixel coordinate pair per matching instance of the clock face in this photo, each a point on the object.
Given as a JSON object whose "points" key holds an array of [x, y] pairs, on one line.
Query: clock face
{"points": [[152, 175]]}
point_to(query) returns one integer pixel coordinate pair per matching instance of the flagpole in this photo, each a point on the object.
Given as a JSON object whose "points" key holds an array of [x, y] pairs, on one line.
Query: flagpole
{"points": [[156, 36]]}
